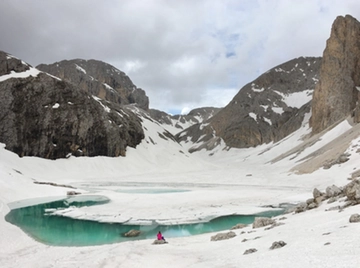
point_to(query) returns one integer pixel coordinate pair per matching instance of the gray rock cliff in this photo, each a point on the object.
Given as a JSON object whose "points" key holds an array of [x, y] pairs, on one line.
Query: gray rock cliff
{"points": [[100, 79], [51, 118], [337, 94]]}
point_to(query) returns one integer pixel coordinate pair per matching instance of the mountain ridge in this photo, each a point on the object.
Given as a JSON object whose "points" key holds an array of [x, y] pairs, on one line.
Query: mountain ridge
{"points": [[100, 79], [264, 110], [44, 116]]}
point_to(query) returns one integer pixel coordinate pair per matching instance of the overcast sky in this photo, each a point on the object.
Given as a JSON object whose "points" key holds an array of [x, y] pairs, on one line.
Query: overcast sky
{"points": [[184, 53]]}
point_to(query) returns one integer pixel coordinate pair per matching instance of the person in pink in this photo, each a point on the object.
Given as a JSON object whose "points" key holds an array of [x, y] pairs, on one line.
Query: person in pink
{"points": [[160, 236]]}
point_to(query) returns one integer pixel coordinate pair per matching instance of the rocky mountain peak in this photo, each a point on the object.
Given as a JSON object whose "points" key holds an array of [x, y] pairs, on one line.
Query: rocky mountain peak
{"points": [[267, 109], [44, 116], [100, 79], [337, 94]]}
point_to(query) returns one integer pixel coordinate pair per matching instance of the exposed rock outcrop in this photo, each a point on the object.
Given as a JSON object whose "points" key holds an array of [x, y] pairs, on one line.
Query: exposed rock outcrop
{"points": [[159, 242], [336, 96], [354, 218], [249, 251], [223, 236], [9, 63], [100, 79], [50, 118], [132, 233], [352, 191], [277, 244], [238, 226], [267, 109], [262, 221]]}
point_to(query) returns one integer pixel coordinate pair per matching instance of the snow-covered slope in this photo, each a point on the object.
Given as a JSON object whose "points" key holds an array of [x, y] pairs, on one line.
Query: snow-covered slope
{"points": [[228, 181]]}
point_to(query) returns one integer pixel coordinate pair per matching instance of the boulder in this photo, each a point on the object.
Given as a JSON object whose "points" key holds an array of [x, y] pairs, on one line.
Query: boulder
{"points": [[132, 233], [319, 199], [300, 207], [223, 236], [310, 200], [333, 191], [159, 242], [277, 244], [316, 193], [250, 250], [354, 218], [312, 206], [262, 221], [352, 190]]}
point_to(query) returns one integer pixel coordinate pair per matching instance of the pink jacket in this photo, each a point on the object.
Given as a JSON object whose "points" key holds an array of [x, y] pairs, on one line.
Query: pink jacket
{"points": [[159, 236]]}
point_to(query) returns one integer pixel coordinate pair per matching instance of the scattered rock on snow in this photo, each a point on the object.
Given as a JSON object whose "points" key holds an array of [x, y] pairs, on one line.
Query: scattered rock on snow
{"points": [[262, 221], [312, 205], [352, 190], [238, 226], [354, 218], [319, 199], [332, 199], [274, 225], [277, 244], [333, 208], [159, 242], [250, 250], [316, 193], [223, 236], [300, 207], [310, 200], [333, 191], [72, 193]]}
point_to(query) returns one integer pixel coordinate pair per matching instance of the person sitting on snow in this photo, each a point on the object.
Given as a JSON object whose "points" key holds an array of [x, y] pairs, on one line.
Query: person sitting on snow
{"points": [[160, 236]]}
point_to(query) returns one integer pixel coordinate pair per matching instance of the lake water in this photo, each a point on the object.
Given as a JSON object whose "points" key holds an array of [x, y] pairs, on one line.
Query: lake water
{"points": [[39, 223]]}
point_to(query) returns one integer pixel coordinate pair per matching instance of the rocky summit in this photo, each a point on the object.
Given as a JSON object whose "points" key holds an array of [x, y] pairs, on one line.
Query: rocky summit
{"points": [[99, 79], [45, 116], [267, 109], [337, 94]]}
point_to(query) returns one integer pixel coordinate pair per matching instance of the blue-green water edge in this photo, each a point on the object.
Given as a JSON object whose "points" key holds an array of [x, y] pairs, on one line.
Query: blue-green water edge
{"points": [[64, 231]]}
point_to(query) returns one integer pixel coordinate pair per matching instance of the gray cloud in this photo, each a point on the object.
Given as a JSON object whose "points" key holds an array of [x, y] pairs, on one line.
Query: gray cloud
{"points": [[182, 53]]}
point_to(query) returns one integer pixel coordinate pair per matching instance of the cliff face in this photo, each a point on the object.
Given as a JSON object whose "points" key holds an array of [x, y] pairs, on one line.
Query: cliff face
{"points": [[267, 109], [337, 94], [99, 79], [51, 118]]}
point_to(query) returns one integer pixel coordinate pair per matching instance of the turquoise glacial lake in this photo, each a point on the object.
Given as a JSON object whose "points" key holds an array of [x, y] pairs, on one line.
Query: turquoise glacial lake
{"points": [[40, 224]]}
